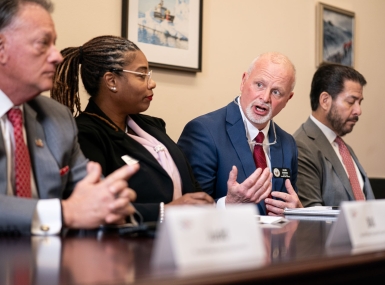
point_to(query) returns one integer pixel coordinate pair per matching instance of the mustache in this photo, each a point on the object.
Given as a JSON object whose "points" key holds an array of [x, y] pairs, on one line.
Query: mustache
{"points": [[354, 119], [261, 104]]}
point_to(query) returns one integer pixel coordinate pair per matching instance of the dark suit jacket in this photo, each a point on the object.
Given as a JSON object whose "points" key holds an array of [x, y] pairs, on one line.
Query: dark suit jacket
{"points": [[105, 143], [322, 179], [215, 142], [53, 123]]}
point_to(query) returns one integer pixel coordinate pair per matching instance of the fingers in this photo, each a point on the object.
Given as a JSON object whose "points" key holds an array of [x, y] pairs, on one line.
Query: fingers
{"points": [[256, 179], [288, 186], [281, 195], [276, 207], [94, 172], [258, 185], [232, 176], [198, 198], [204, 197], [123, 173]]}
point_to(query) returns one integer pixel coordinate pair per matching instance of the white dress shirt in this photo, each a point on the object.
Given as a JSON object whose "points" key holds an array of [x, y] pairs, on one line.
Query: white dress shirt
{"points": [[47, 212], [251, 134], [331, 136]]}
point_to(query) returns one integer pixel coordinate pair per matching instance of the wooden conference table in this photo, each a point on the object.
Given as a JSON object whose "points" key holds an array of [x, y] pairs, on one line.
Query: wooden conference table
{"points": [[296, 255]]}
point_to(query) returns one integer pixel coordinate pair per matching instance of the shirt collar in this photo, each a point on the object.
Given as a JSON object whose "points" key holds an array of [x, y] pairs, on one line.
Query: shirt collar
{"points": [[251, 130], [5, 104], [329, 134]]}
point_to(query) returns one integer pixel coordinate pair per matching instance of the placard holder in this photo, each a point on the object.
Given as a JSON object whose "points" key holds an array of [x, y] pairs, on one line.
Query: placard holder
{"points": [[203, 237], [360, 224]]}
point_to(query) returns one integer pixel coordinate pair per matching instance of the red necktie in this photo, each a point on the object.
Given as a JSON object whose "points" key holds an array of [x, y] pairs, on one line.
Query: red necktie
{"points": [[349, 165], [22, 160], [259, 155]]}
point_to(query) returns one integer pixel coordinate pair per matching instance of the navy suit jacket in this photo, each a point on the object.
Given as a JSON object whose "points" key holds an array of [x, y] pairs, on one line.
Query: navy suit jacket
{"points": [[214, 142]]}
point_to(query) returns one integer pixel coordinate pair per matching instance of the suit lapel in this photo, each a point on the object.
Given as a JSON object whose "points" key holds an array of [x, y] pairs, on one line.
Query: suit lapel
{"points": [[45, 167], [149, 158], [329, 153], [276, 157], [236, 131]]}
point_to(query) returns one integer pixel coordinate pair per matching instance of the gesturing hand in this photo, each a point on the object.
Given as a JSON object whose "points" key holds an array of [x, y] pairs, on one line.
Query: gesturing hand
{"points": [[255, 188], [290, 200]]}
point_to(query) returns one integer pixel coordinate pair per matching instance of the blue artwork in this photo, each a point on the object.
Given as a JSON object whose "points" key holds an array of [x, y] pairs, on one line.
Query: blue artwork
{"points": [[337, 38], [164, 23]]}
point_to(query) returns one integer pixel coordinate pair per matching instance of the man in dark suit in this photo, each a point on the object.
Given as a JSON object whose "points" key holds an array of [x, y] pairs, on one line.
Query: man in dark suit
{"points": [[220, 145], [40, 159], [324, 176]]}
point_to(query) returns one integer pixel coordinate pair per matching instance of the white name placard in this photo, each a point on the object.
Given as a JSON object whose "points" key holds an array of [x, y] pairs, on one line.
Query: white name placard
{"points": [[360, 223], [193, 237]]}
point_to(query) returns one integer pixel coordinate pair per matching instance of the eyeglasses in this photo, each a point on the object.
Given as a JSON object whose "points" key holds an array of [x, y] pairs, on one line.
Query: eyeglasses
{"points": [[253, 143], [138, 73]]}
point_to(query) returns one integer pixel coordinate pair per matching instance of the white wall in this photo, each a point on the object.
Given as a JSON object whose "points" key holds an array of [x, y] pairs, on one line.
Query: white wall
{"points": [[234, 32]]}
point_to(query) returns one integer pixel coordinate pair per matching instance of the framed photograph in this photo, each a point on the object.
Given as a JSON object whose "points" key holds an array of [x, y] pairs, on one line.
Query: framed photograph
{"points": [[335, 35], [168, 32]]}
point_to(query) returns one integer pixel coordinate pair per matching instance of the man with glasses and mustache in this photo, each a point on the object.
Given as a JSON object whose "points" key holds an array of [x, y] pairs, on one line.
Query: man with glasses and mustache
{"points": [[328, 170], [238, 154]]}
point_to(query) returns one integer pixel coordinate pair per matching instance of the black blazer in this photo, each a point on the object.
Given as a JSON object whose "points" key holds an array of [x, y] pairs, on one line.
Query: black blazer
{"points": [[102, 141]]}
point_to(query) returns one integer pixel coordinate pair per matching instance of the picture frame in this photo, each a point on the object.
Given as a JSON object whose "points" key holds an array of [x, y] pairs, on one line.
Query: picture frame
{"points": [[335, 35], [168, 32]]}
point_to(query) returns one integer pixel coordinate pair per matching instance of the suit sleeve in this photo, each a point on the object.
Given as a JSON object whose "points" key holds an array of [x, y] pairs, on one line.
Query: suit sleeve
{"points": [[309, 175], [199, 147]]}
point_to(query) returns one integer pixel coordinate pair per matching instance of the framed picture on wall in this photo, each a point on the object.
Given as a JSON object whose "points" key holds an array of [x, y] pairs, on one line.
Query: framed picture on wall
{"points": [[335, 35], [168, 32]]}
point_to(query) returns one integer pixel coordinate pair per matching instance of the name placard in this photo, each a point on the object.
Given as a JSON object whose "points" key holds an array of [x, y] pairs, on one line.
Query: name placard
{"points": [[193, 237], [360, 223]]}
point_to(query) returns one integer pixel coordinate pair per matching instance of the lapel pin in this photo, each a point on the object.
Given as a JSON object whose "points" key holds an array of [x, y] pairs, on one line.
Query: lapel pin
{"points": [[39, 143]]}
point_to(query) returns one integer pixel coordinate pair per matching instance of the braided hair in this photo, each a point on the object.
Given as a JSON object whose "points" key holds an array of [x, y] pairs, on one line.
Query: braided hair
{"points": [[96, 57]]}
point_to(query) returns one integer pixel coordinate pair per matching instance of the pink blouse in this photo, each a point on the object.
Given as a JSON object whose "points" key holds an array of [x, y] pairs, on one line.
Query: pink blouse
{"points": [[160, 152]]}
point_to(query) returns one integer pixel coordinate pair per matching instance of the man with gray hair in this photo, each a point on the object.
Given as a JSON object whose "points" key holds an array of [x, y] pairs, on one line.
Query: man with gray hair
{"points": [[46, 183], [238, 154]]}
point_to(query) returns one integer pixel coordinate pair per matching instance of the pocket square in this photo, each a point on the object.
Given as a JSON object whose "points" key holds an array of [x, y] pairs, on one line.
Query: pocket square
{"points": [[64, 170]]}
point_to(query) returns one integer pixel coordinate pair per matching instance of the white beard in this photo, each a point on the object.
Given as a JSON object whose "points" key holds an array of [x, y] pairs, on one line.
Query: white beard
{"points": [[259, 119]]}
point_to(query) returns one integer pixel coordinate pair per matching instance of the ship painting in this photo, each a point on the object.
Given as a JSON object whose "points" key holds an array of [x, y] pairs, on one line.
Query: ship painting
{"points": [[165, 25], [162, 13]]}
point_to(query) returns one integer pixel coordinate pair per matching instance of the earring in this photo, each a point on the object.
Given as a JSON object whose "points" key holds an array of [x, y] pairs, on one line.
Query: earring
{"points": [[113, 88]]}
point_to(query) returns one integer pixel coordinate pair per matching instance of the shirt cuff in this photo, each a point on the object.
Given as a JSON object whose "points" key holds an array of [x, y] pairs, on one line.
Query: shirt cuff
{"points": [[47, 219], [221, 203]]}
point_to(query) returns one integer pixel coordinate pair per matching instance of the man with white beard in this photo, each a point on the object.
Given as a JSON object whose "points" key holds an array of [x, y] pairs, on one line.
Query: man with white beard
{"points": [[237, 153]]}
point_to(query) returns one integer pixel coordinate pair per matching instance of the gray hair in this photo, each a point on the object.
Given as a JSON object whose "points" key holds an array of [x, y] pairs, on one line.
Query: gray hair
{"points": [[9, 9]]}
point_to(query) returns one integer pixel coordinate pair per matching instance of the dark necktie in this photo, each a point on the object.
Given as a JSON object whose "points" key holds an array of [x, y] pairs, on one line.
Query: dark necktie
{"points": [[349, 165], [22, 160], [259, 155]]}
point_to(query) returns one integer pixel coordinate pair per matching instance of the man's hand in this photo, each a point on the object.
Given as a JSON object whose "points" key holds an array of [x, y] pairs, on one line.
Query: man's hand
{"points": [[290, 200], [198, 198], [253, 190], [97, 201]]}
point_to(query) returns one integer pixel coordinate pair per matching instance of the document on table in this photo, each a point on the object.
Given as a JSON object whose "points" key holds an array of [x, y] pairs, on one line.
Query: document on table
{"points": [[271, 219], [313, 211]]}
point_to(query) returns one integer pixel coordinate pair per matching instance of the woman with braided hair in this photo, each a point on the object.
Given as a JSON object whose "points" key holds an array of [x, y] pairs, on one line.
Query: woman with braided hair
{"points": [[115, 74]]}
